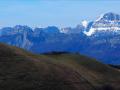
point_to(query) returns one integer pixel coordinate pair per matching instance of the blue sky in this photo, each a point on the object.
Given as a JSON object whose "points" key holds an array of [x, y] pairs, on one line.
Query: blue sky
{"points": [[61, 13]]}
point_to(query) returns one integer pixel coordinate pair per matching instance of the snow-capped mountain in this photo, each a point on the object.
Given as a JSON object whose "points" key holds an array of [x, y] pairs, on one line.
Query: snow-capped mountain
{"points": [[106, 22], [99, 39]]}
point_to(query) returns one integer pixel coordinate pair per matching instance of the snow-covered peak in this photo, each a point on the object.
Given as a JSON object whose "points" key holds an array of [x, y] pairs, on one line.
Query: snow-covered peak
{"points": [[106, 22], [109, 17]]}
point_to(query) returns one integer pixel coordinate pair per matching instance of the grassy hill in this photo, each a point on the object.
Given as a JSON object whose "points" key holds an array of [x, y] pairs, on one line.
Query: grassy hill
{"points": [[21, 70]]}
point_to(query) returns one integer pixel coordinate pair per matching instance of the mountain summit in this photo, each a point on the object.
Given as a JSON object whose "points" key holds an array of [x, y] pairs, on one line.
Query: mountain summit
{"points": [[106, 22], [109, 17]]}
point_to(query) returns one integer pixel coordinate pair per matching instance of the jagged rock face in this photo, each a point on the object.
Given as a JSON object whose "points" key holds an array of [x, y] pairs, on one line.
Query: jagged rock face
{"points": [[104, 38], [17, 36], [100, 39], [110, 17], [109, 22], [76, 30]]}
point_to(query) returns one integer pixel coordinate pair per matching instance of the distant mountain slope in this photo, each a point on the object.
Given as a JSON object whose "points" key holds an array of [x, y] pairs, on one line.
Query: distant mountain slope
{"points": [[20, 70], [104, 38], [98, 39]]}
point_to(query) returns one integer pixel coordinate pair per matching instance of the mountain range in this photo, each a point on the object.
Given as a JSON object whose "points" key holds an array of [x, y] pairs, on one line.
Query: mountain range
{"points": [[99, 39]]}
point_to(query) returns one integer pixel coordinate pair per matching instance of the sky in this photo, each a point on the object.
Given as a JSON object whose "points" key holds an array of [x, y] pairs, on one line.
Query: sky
{"points": [[61, 13]]}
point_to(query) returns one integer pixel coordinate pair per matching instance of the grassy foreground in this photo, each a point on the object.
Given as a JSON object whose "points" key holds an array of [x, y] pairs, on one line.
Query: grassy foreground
{"points": [[21, 70]]}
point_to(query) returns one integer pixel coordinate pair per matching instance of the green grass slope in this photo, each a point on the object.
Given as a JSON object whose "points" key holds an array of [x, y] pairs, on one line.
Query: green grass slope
{"points": [[21, 70]]}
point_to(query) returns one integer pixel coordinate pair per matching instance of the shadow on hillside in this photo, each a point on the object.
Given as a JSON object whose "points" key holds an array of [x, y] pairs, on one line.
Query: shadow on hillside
{"points": [[58, 53]]}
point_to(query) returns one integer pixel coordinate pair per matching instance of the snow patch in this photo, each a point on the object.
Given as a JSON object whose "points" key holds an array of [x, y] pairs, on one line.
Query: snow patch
{"points": [[90, 32], [101, 16], [85, 23]]}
